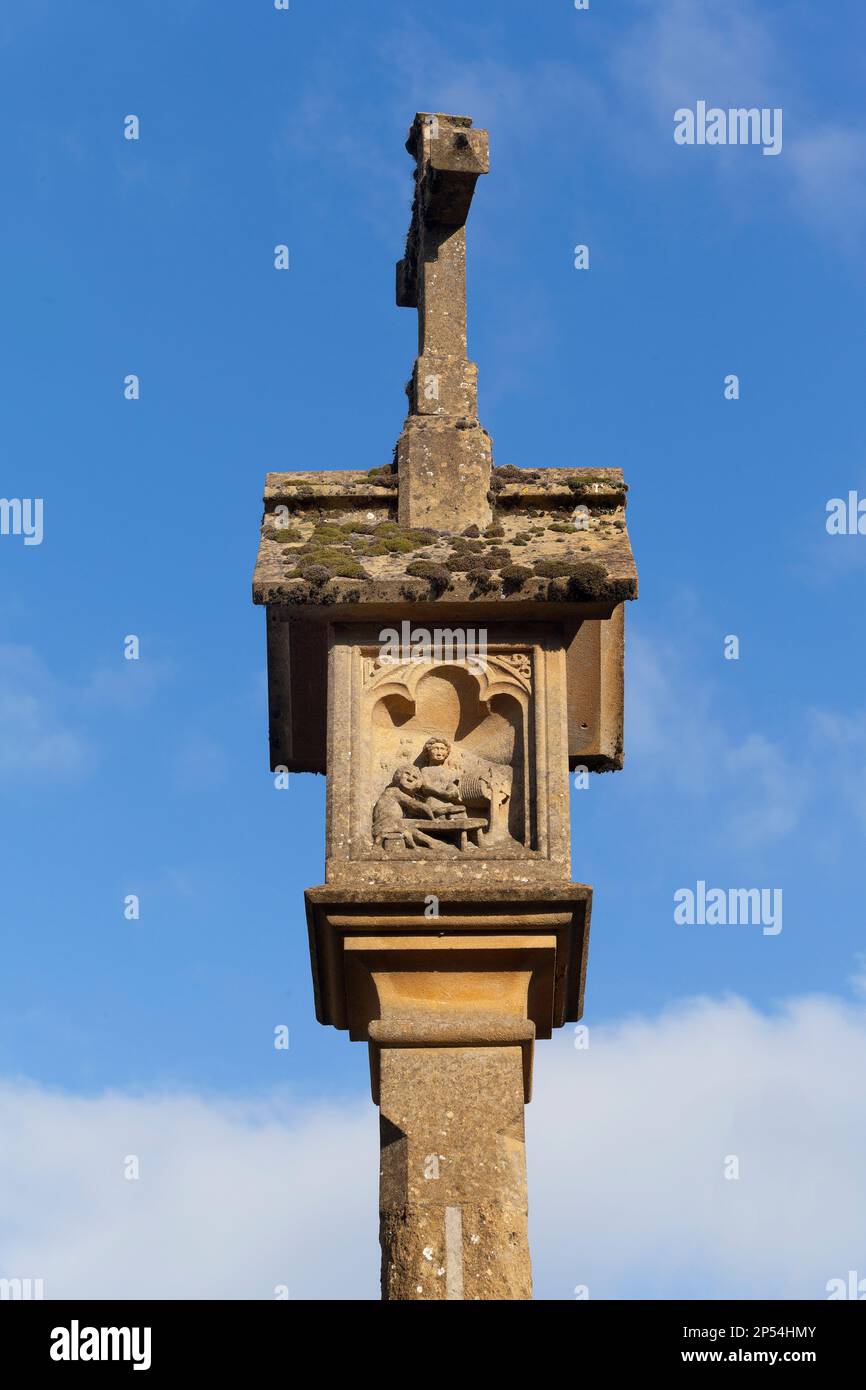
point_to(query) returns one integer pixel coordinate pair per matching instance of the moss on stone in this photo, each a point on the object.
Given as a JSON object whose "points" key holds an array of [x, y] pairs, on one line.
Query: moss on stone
{"points": [[499, 555], [312, 554], [402, 545], [514, 577], [582, 482], [325, 534], [564, 569], [484, 583], [403, 538], [332, 563], [385, 476], [465, 562], [315, 575], [584, 579], [437, 575]]}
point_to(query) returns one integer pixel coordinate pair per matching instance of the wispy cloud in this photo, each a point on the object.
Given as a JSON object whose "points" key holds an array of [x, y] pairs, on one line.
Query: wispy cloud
{"points": [[125, 686], [416, 69], [677, 739], [36, 737], [842, 740], [682, 51], [618, 95], [47, 724], [678, 50], [829, 180]]}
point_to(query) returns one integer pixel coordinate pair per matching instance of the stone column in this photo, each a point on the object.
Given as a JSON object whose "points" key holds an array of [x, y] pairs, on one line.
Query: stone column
{"points": [[452, 1203]]}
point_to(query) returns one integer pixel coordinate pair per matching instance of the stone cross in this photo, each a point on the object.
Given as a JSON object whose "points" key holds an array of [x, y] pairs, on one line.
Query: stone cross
{"points": [[445, 642], [444, 456]]}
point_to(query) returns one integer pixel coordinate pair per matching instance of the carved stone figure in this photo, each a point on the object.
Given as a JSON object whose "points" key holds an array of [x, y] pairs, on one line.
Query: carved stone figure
{"points": [[460, 808], [390, 824], [482, 789]]}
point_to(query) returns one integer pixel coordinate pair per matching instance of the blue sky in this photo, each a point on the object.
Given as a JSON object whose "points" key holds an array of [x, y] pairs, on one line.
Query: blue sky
{"points": [[155, 257]]}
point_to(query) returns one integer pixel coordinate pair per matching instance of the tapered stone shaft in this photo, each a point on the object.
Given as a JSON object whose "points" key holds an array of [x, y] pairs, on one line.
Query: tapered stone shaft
{"points": [[453, 1221]]}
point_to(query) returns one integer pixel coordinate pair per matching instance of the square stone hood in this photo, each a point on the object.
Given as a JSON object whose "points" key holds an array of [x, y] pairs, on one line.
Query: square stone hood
{"points": [[333, 551]]}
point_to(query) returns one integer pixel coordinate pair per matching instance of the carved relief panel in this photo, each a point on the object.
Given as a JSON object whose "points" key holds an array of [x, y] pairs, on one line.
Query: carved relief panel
{"points": [[448, 759]]}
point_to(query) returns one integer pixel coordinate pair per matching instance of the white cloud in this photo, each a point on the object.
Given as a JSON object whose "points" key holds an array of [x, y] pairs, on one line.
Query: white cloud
{"points": [[35, 739], [677, 739], [682, 51], [629, 1141], [619, 95], [231, 1201], [124, 686], [414, 68], [841, 739], [858, 979], [627, 1144], [468, 74], [44, 720], [829, 173]]}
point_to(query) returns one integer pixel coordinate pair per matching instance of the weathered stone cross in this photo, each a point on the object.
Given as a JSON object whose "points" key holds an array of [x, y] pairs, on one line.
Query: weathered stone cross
{"points": [[448, 935], [444, 455]]}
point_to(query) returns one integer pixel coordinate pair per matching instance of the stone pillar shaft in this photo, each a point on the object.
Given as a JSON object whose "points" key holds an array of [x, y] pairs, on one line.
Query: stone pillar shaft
{"points": [[442, 292], [453, 1207]]}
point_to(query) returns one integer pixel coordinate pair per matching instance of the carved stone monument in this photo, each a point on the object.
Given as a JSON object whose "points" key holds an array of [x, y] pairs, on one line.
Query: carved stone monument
{"points": [[445, 640]]}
